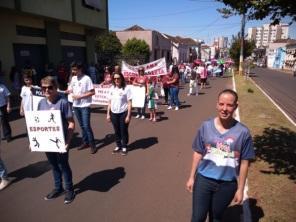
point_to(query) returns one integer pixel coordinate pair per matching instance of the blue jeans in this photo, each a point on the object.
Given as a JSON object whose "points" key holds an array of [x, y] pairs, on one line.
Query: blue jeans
{"points": [[60, 167], [5, 122], [174, 93], [120, 128], [83, 116], [3, 171], [211, 196]]}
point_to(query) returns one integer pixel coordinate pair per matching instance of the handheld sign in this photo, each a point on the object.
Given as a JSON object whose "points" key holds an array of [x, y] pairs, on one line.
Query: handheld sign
{"points": [[45, 130]]}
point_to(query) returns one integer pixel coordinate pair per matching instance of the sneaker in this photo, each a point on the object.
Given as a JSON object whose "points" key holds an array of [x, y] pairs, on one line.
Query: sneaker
{"points": [[177, 108], [124, 151], [4, 183], [53, 194], [83, 146], [169, 107], [154, 120], [116, 150], [69, 196], [188, 94], [137, 116], [93, 149], [143, 117]]}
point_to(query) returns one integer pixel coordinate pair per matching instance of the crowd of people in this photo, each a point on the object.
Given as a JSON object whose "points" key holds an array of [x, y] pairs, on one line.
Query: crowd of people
{"points": [[213, 138]]}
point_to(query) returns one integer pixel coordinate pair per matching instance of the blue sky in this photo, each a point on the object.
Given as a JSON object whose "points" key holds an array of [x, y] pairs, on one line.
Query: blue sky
{"points": [[197, 19]]}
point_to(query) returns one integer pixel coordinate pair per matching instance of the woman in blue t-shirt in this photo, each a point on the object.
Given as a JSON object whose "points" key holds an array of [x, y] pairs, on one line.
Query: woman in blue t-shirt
{"points": [[222, 150]]}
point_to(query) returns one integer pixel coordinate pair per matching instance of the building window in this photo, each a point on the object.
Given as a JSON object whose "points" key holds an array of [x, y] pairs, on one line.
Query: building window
{"points": [[30, 31], [72, 36]]}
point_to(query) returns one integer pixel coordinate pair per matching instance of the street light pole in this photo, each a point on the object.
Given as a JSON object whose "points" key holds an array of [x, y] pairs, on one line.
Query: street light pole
{"points": [[241, 57]]}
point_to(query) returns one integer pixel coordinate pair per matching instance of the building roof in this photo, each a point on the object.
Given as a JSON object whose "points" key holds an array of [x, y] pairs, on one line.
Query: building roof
{"points": [[135, 28]]}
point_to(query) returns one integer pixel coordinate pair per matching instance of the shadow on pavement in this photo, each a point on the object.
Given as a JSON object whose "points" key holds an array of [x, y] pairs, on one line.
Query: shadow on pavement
{"points": [[277, 147], [236, 213], [19, 136], [143, 143], [33, 170], [101, 181], [77, 141]]}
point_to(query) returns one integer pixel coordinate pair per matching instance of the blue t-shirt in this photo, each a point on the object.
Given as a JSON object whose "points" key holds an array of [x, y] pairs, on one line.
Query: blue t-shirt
{"points": [[222, 153], [59, 104]]}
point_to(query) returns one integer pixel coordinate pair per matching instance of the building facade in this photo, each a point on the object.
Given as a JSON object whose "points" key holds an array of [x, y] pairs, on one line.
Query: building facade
{"points": [[159, 45], [44, 31], [268, 33]]}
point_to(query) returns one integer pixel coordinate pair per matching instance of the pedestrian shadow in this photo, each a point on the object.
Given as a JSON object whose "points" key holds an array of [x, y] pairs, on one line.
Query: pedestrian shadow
{"points": [[277, 147], [143, 143], [33, 170], [108, 139], [160, 117], [101, 181], [19, 136], [248, 212], [185, 106]]}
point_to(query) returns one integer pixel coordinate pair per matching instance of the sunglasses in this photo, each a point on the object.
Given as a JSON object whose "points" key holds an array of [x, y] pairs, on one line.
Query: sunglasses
{"points": [[44, 88], [117, 78]]}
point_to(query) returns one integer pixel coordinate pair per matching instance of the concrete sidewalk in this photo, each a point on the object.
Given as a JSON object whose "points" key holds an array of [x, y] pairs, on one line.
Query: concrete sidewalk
{"points": [[146, 185]]}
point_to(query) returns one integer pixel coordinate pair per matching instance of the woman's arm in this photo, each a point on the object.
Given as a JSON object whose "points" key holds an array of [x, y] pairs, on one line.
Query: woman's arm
{"points": [[195, 162], [243, 172], [129, 111]]}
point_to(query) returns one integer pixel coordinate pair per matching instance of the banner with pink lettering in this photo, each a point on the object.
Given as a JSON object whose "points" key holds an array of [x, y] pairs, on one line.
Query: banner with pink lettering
{"points": [[155, 68]]}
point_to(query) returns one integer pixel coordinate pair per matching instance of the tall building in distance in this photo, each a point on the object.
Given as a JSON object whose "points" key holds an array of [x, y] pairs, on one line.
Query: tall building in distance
{"points": [[221, 42], [268, 33]]}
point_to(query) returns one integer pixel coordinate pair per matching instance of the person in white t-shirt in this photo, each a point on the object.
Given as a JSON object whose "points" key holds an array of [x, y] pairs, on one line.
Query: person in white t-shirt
{"points": [[119, 111], [82, 90], [26, 94]]}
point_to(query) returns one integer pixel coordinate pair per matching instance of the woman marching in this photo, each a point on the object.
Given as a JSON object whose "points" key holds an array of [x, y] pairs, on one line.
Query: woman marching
{"points": [[119, 111], [222, 149]]}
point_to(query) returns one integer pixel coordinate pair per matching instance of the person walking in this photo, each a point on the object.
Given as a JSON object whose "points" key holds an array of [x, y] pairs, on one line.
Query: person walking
{"points": [[82, 90], [142, 81], [174, 88], [152, 106], [119, 112], [193, 89], [26, 94], [5, 109], [222, 149]]}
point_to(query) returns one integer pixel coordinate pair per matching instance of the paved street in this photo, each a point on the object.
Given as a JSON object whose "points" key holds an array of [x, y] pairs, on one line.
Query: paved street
{"points": [[280, 86], [146, 185]]}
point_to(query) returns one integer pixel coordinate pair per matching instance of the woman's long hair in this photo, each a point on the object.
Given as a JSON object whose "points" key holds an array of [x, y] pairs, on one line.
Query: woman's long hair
{"points": [[122, 82]]}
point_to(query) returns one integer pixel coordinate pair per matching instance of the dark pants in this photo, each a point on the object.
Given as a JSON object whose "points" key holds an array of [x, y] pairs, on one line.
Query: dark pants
{"points": [[83, 117], [5, 122], [211, 196], [60, 167], [141, 111], [174, 94], [120, 128], [166, 94]]}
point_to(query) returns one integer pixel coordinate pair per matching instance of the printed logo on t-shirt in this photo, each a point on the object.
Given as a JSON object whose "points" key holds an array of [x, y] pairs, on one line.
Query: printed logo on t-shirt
{"points": [[221, 153]]}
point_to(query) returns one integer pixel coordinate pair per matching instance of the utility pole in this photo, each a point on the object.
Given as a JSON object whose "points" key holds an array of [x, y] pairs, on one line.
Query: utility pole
{"points": [[241, 58]]}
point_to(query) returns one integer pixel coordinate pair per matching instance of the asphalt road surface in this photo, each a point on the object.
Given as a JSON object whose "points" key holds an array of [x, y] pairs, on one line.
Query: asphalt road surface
{"points": [[146, 185], [280, 86]]}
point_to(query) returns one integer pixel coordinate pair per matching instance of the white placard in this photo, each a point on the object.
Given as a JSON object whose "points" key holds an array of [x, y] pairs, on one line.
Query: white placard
{"points": [[101, 94], [138, 95], [45, 130]]}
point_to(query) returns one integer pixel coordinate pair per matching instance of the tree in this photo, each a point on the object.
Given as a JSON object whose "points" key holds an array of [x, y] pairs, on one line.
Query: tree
{"points": [[258, 10], [234, 50], [135, 50], [108, 47]]}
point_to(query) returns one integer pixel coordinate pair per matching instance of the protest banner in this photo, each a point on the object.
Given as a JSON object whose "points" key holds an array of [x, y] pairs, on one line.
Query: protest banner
{"points": [[155, 68], [101, 94], [45, 131]]}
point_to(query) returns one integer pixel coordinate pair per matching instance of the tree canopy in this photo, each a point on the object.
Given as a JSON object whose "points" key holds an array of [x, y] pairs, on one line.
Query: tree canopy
{"points": [[258, 10], [135, 50], [234, 50], [108, 47]]}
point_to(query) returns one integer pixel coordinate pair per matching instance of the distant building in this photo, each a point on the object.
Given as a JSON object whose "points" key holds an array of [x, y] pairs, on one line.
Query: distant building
{"points": [[159, 45], [43, 31], [268, 33]]}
